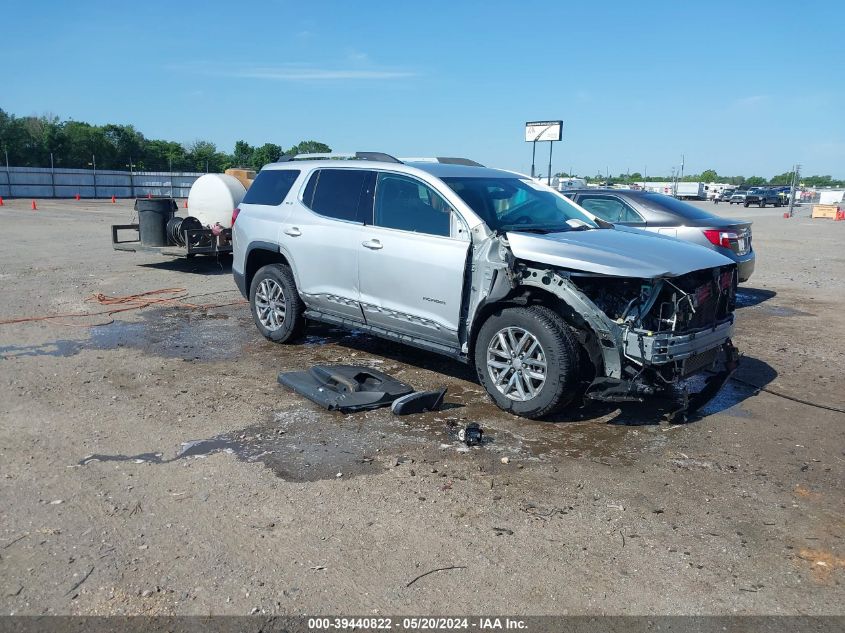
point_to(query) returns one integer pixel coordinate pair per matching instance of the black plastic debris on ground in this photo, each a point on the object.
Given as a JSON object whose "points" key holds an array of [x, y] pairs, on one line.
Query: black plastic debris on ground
{"points": [[345, 388], [471, 434], [419, 402]]}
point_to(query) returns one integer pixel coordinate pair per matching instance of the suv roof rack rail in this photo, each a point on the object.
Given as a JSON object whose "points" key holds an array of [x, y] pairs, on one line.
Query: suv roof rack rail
{"points": [[446, 160], [378, 156]]}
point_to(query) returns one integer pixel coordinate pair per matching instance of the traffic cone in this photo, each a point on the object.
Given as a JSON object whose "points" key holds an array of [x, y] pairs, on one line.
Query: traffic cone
{"points": [[786, 215], [840, 214], [112, 200], [34, 206], [1, 201], [77, 196], [184, 206]]}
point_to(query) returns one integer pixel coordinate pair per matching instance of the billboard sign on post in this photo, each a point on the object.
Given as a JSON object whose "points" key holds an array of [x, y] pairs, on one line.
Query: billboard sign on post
{"points": [[543, 131], [550, 131]]}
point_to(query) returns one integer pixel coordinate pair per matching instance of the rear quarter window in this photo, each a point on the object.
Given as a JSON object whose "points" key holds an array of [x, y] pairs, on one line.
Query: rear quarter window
{"points": [[335, 193], [271, 186]]}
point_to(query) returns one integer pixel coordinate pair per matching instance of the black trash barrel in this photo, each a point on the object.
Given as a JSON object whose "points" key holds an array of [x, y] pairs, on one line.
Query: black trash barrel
{"points": [[153, 215]]}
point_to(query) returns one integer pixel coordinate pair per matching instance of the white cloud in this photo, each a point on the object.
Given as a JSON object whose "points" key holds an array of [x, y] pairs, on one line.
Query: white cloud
{"points": [[357, 57], [297, 72], [750, 101], [316, 74]]}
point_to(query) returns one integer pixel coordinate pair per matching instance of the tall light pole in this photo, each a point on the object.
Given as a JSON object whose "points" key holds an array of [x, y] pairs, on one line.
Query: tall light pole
{"points": [[52, 175], [792, 188], [8, 176], [131, 179], [94, 167]]}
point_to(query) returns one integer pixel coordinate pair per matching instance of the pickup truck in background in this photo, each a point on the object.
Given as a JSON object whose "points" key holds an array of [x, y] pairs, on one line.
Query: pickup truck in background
{"points": [[761, 197]]}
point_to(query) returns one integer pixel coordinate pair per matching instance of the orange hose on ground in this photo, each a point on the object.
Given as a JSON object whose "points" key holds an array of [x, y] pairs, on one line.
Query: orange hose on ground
{"points": [[131, 302]]}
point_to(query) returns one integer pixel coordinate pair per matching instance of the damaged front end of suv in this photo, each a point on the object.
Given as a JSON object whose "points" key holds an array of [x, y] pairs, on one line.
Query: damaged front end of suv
{"points": [[653, 319]]}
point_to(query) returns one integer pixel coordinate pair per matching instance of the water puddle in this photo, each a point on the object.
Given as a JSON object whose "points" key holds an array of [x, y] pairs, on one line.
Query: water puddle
{"points": [[747, 297], [294, 452], [60, 348], [177, 334], [758, 299], [306, 443], [728, 401], [781, 311]]}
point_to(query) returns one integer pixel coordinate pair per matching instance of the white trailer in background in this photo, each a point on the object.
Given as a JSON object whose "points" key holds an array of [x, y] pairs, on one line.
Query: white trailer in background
{"points": [[685, 190], [691, 191], [571, 183]]}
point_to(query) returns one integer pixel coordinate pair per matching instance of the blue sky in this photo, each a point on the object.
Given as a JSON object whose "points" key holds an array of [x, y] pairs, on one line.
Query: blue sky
{"points": [[742, 87]]}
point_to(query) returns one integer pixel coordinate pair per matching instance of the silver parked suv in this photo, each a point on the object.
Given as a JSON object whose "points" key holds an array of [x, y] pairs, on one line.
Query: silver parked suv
{"points": [[547, 301]]}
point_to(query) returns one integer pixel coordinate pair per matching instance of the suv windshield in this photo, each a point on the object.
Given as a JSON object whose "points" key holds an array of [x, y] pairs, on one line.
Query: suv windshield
{"points": [[518, 204]]}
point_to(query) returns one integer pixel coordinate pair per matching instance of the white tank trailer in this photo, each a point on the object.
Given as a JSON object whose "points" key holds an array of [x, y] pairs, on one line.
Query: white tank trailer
{"points": [[213, 197], [205, 230]]}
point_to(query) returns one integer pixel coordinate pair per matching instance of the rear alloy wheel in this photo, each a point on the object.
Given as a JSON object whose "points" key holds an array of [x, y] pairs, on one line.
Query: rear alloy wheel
{"points": [[276, 307], [528, 360]]}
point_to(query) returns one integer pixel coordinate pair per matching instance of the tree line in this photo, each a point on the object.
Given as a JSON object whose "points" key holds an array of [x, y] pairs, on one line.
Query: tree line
{"points": [[710, 175], [30, 141]]}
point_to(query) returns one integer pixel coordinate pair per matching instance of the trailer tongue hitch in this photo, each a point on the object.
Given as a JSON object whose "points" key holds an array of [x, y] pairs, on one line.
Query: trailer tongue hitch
{"points": [[345, 388]]}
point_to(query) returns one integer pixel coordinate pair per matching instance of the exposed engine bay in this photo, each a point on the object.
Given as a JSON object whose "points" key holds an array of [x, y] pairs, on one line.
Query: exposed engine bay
{"points": [[644, 337], [672, 328]]}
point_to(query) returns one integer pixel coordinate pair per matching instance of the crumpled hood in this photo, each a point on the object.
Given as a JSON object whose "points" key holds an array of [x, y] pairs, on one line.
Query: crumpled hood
{"points": [[621, 252]]}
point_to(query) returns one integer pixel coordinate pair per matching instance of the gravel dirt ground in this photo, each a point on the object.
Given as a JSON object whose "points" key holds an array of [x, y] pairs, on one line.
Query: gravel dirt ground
{"points": [[154, 466]]}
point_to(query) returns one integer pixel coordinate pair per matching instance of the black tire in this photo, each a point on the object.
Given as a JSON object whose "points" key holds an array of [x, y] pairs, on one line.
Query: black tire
{"points": [[745, 204], [293, 324], [560, 350]]}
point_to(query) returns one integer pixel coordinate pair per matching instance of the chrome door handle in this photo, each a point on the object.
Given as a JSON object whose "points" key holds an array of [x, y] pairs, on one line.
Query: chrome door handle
{"points": [[372, 244], [293, 232]]}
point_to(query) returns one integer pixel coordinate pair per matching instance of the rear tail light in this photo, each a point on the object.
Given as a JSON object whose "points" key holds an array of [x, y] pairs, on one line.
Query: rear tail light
{"points": [[235, 213], [721, 238]]}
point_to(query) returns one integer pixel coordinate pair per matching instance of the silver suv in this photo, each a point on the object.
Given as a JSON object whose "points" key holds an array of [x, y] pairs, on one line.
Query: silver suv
{"points": [[547, 301]]}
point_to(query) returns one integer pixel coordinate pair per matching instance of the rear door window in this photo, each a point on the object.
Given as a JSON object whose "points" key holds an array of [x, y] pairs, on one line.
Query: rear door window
{"points": [[611, 209], [337, 193], [271, 186], [407, 204]]}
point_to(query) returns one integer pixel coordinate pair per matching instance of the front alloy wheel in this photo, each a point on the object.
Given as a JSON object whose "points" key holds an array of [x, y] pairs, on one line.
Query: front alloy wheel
{"points": [[516, 362], [528, 360]]}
